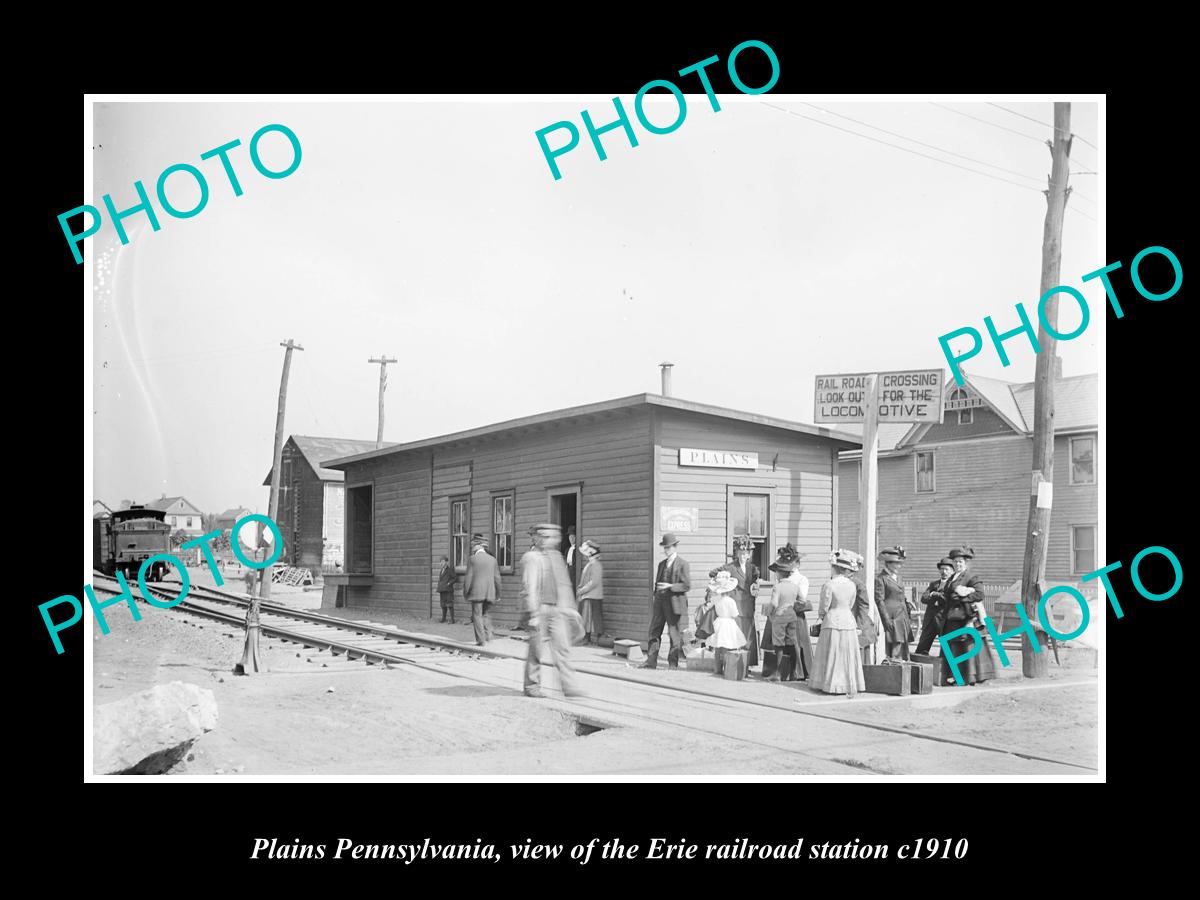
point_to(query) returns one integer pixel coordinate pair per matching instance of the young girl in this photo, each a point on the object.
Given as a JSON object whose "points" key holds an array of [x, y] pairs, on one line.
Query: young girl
{"points": [[726, 634]]}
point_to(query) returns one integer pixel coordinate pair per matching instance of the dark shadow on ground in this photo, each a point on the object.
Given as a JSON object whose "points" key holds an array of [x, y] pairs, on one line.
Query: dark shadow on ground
{"points": [[472, 691]]}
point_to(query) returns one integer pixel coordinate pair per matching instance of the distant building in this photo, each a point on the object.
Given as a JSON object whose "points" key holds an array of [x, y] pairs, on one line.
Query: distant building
{"points": [[311, 499], [968, 480], [100, 509], [181, 514], [225, 521]]}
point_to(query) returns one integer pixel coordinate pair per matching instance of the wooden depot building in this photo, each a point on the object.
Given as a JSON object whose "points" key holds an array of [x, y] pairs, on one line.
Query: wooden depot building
{"points": [[622, 472]]}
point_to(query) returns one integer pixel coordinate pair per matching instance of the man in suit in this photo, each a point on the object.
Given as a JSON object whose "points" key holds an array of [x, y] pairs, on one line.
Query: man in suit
{"points": [[445, 587], [671, 584], [481, 588], [934, 599], [571, 554], [746, 575]]}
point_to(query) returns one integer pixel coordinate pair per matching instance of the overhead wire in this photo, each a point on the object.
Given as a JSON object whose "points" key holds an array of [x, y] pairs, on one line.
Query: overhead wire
{"points": [[1043, 124], [917, 152]]}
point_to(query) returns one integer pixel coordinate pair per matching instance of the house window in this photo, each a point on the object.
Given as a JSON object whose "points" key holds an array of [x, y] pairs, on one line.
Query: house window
{"points": [[460, 531], [360, 515], [924, 463], [189, 521], [1083, 549], [502, 530], [965, 416], [1083, 461]]}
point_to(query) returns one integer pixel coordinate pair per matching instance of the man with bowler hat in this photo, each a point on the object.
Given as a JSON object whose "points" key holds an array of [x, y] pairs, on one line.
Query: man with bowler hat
{"points": [[671, 584], [935, 601], [481, 588]]}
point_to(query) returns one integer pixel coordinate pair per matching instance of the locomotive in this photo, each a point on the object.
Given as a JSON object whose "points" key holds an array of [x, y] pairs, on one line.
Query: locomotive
{"points": [[123, 541]]}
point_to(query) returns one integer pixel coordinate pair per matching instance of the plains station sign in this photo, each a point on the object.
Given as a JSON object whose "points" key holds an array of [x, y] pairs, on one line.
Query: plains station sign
{"points": [[914, 396]]}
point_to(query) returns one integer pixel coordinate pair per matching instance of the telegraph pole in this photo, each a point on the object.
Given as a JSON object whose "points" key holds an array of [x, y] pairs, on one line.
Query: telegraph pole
{"points": [[1035, 664], [273, 514], [383, 364]]}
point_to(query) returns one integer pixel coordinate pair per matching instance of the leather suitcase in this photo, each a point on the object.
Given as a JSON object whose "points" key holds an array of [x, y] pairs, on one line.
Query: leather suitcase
{"points": [[941, 671], [921, 677], [735, 665], [887, 679]]}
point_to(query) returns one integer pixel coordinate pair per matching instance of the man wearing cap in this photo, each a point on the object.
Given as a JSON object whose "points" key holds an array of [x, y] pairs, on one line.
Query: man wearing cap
{"points": [[746, 575], [671, 584], [548, 599], [893, 610], [481, 588], [934, 599]]}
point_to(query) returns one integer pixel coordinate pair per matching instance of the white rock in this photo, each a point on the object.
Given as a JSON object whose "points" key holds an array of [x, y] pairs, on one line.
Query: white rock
{"points": [[149, 732]]}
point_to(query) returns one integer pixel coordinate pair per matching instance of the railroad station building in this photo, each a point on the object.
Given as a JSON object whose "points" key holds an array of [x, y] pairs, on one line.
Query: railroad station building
{"points": [[968, 480], [621, 471]]}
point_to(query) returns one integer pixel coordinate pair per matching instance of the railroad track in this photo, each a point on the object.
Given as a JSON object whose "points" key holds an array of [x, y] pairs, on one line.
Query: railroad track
{"points": [[394, 647]]}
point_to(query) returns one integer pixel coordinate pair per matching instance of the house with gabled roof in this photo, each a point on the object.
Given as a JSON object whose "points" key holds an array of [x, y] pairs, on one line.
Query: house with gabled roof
{"points": [[182, 514], [968, 480], [311, 500]]}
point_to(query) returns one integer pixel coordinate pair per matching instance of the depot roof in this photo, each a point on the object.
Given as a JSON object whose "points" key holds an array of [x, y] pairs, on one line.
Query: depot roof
{"points": [[635, 401]]}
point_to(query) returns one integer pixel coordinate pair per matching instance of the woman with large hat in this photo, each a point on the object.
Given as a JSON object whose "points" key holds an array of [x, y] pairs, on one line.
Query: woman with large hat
{"points": [[786, 636], [964, 609], [893, 605], [837, 664], [591, 592], [745, 573]]}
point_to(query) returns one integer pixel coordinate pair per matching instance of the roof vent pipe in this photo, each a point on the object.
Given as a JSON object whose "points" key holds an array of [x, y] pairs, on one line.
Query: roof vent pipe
{"points": [[666, 378]]}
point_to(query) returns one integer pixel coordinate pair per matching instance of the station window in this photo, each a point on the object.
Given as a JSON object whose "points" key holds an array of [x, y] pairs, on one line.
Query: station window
{"points": [[1083, 461], [460, 531], [502, 530], [360, 515], [924, 465], [1083, 549], [965, 416]]}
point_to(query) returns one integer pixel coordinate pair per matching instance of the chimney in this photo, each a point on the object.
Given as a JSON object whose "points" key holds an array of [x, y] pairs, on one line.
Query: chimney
{"points": [[666, 378]]}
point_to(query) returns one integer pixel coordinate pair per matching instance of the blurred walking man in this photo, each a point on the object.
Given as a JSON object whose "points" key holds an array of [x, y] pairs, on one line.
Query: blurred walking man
{"points": [[549, 601]]}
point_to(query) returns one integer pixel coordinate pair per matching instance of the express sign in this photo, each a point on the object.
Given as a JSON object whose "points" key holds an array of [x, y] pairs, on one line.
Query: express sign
{"points": [[914, 396]]}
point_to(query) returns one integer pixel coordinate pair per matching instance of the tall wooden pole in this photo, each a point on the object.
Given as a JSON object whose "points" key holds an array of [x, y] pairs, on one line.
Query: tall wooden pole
{"points": [[383, 364], [273, 514], [1037, 535], [869, 494]]}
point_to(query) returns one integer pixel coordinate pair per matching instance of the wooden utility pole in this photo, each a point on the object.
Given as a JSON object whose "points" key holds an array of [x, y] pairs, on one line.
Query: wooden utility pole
{"points": [[1035, 664], [383, 364], [869, 493], [278, 457]]}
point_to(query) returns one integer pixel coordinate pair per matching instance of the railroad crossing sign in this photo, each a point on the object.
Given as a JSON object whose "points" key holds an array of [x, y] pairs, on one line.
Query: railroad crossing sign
{"points": [[870, 398], [910, 396]]}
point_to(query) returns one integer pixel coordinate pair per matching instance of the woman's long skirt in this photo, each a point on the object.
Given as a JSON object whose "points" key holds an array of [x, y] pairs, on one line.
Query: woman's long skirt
{"points": [[978, 668], [837, 666], [592, 611]]}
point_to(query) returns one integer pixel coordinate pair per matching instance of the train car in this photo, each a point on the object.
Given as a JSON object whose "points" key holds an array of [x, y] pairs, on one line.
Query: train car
{"points": [[128, 538]]}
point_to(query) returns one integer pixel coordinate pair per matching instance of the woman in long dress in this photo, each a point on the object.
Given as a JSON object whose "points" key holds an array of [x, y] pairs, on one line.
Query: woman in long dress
{"points": [[837, 666], [893, 604], [965, 610], [591, 593], [726, 636], [786, 633]]}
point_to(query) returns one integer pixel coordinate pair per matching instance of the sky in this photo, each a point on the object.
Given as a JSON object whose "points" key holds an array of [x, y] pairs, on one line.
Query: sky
{"points": [[755, 248]]}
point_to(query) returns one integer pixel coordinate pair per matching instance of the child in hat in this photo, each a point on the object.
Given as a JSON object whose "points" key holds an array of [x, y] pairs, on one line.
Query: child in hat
{"points": [[726, 634]]}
